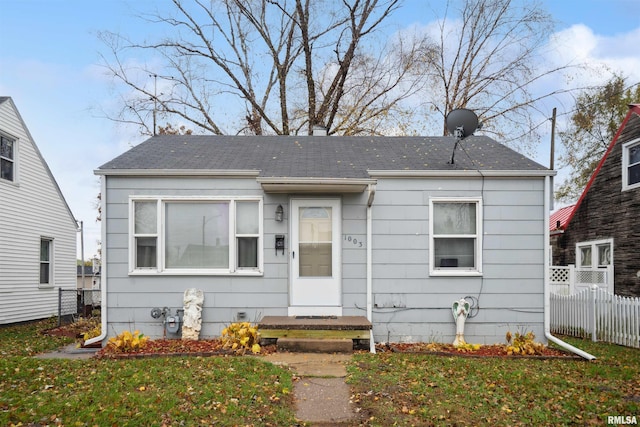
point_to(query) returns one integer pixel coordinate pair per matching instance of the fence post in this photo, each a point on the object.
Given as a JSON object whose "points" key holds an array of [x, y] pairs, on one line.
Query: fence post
{"points": [[594, 289], [59, 307], [572, 279]]}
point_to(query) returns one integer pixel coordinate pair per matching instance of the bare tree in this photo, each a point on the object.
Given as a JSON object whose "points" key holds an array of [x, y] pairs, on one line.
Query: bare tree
{"points": [[489, 60], [285, 66]]}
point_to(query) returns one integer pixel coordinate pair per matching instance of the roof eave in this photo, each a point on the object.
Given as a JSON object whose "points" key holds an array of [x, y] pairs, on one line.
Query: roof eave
{"points": [[315, 185], [460, 173], [227, 173]]}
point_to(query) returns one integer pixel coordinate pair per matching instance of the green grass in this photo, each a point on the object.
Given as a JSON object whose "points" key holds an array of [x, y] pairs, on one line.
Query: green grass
{"points": [[410, 389], [27, 339], [142, 392], [390, 388]]}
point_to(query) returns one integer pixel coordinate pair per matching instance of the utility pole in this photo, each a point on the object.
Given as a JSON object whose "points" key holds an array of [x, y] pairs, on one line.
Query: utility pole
{"points": [[553, 139], [155, 100], [552, 153], [82, 253]]}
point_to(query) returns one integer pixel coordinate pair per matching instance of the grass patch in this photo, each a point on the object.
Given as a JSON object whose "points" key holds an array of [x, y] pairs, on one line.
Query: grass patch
{"points": [[154, 391], [422, 389], [27, 339]]}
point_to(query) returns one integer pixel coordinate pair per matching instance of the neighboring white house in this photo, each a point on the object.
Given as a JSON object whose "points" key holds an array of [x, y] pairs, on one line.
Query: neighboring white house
{"points": [[382, 227], [37, 228]]}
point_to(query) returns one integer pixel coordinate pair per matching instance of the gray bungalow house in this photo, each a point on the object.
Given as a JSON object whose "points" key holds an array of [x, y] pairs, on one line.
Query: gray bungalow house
{"points": [[385, 228]]}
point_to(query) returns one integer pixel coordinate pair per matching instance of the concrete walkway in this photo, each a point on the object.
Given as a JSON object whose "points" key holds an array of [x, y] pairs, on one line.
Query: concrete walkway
{"points": [[321, 395], [70, 351]]}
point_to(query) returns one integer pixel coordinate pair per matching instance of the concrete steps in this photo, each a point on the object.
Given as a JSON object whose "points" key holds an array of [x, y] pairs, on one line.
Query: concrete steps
{"points": [[315, 345], [316, 334]]}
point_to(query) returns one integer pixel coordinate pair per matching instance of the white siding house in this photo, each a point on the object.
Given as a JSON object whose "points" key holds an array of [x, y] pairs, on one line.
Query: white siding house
{"points": [[382, 227], [37, 228]]}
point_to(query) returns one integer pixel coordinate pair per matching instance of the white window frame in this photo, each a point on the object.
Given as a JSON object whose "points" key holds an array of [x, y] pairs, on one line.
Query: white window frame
{"points": [[625, 165], [14, 160], [49, 284], [456, 271], [161, 269], [135, 235], [594, 244]]}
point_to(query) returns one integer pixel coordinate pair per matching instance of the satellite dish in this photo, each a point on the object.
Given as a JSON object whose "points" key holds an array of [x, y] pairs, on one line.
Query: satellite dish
{"points": [[461, 122]]}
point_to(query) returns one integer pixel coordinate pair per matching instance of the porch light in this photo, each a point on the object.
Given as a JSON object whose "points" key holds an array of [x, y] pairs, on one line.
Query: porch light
{"points": [[279, 213]]}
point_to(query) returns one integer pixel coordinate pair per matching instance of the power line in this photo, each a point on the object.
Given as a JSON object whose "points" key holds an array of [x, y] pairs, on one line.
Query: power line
{"points": [[570, 112]]}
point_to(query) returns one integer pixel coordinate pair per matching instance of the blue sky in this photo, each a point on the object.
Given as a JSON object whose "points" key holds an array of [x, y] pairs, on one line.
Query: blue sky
{"points": [[49, 56]]}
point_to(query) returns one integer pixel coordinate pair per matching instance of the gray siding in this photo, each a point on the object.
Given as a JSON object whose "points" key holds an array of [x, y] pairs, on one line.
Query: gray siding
{"points": [[32, 207], [410, 305], [131, 297]]}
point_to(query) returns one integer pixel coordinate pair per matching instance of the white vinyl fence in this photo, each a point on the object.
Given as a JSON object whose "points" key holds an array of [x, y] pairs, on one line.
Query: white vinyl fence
{"points": [[562, 279], [597, 313], [568, 280]]}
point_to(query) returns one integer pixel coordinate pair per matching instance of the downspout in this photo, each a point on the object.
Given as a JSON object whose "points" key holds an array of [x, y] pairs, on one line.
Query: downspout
{"points": [[103, 270], [372, 193], [547, 291]]}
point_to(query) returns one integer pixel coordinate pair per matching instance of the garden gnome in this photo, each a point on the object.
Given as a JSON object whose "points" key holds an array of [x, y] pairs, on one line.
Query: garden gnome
{"points": [[460, 312], [192, 320]]}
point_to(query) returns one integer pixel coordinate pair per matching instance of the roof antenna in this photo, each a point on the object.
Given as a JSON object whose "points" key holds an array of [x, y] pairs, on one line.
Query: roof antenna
{"points": [[461, 123]]}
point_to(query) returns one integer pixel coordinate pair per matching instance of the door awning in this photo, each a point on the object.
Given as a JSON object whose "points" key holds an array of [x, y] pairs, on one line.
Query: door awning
{"points": [[315, 185]]}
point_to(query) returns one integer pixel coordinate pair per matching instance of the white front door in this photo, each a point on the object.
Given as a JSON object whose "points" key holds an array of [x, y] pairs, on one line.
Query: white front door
{"points": [[315, 257]]}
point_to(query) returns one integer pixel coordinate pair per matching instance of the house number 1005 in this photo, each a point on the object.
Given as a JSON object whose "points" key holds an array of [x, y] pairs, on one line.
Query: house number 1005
{"points": [[353, 240]]}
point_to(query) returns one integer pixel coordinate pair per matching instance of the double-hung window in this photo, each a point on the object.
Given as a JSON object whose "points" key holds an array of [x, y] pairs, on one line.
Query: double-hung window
{"points": [[455, 228], [46, 262], [196, 235], [145, 234], [595, 254], [7, 158], [631, 165]]}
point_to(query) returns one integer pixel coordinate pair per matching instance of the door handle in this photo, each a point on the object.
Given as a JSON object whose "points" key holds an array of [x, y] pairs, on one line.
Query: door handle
{"points": [[293, 253]]}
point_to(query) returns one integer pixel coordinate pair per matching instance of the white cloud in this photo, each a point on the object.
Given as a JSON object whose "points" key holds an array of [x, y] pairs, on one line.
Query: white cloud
{"points": [[579, 44]]}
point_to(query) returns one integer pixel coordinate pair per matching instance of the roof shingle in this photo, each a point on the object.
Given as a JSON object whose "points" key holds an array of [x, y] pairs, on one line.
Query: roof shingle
{"points": [[318, 156]]}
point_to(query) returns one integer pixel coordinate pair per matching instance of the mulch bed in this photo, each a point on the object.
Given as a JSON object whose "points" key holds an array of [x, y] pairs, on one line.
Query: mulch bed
{"points": [[177, 347], [205, 348], [497, 350], [214, 347]]}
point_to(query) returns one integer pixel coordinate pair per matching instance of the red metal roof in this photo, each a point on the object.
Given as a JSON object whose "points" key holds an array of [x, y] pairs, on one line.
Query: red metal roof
{"points": [[562, 215]]}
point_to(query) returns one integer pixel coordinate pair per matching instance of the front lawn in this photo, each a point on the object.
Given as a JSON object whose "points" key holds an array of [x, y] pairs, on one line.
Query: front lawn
{"points": [[168, 391], [419, 389], [388, 388]]}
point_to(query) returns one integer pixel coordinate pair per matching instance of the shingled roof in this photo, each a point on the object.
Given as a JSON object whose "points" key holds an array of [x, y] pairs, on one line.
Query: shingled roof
{"points": [[317, 156]]}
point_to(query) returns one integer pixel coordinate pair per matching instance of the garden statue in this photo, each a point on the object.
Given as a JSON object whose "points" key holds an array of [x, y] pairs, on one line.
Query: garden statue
{"points": [[460, 312], [192, 320]]}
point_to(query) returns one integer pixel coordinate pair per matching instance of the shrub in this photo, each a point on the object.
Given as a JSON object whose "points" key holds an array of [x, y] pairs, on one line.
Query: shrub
{"points": [[466, 347], [523, 344], [127, 342], [240, 337]]}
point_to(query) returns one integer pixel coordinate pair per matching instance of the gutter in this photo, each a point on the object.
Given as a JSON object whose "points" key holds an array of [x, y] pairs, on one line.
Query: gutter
{"points": [[459, 173], [372, 193], [547, 289], [103, 272]]}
